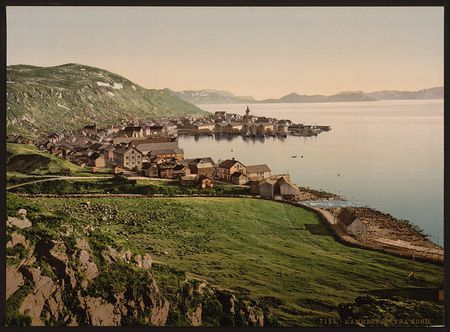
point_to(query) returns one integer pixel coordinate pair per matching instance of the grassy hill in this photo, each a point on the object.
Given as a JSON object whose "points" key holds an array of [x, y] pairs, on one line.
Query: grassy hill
{"points": [[276, 254], [46, 99], [27, 159]]}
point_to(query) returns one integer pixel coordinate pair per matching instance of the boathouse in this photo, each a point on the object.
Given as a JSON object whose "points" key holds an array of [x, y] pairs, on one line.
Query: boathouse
{"points": [[350, 223]]}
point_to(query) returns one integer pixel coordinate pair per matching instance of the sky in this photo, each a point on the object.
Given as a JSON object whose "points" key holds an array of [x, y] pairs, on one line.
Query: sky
{"points": [[265, 52]]}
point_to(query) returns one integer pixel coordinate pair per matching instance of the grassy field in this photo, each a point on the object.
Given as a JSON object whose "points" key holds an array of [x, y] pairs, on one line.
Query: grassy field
{"points": [[277, 253], [121, 185], [27, 159]]}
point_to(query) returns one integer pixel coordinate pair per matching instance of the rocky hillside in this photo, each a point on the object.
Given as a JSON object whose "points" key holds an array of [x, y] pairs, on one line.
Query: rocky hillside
{"points": [[65, 275], [181, 261], [46, 99]]}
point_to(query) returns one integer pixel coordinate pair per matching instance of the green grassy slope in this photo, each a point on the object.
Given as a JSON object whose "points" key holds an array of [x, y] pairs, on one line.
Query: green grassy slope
{"points": [[277, 253], [44, 99], [28, 159]]}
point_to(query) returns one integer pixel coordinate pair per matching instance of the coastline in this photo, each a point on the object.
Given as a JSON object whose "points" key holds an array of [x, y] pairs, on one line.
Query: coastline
{"points": [[384, 232]]}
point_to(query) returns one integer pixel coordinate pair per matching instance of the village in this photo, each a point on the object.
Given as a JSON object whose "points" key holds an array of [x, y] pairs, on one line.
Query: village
{"points": [[222, 123], [150, 149]]}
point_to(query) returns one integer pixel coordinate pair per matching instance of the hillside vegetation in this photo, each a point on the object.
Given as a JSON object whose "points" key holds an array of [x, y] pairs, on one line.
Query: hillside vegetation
{"points": [[27, 159], [47, 99], [279, 258]]}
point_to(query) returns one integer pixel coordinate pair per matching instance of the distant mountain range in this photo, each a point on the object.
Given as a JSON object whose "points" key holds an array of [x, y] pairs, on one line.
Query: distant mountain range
{"points": [[224, 97], [48, 99], [70, 96], [210, 96]]}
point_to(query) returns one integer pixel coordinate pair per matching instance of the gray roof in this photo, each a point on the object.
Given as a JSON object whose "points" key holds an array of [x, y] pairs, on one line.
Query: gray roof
{"points": [[124, 148], [147, 147], [167, 151], [347, 217], [257, 169]]}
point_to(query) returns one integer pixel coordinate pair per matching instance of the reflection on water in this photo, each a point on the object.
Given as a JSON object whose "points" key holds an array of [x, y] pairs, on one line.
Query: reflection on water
{"points": [[388, 154]]}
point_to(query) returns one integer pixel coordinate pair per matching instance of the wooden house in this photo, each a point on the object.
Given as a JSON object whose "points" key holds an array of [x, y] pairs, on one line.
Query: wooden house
{"points": [[180, 170], [227, 168], [188, 180], [165, 149], [286, 188], [258, 172], [202, 166], [239, 178], [350, 223], [132, 131], [279, 188], [205, 182], [150, 169], [128, 157], [165, 171], [108, 154], [97, 160]]}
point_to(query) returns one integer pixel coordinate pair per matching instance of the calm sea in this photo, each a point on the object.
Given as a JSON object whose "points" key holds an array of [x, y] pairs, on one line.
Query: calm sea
{"points": [[389, 154]]}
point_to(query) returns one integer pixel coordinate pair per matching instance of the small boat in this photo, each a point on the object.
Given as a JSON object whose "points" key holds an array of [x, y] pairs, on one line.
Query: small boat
{"points": [[293, 156]]}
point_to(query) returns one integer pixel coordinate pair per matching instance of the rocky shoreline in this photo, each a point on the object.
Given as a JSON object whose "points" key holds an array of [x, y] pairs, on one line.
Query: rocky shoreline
{"points": [[384, 232], [309, 194]]}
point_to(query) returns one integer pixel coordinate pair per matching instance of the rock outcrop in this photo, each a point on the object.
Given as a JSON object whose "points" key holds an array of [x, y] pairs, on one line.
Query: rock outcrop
{"points": [[21, 222], [88, 268], [99, 312], [14, 280], [45, 292], [196, 316], [65, 280]]}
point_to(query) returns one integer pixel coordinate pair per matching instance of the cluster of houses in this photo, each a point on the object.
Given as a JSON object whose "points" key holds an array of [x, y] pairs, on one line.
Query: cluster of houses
{"points": [[142, 144], [248, 125], [151, 149], [106, 147]]}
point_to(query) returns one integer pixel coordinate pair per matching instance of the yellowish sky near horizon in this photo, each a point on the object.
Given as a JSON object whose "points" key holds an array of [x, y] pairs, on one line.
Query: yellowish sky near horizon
{"points": [[258, 51]]}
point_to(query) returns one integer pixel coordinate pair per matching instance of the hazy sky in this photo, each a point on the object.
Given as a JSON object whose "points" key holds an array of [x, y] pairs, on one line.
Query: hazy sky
{"points": [[263, 52]]}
